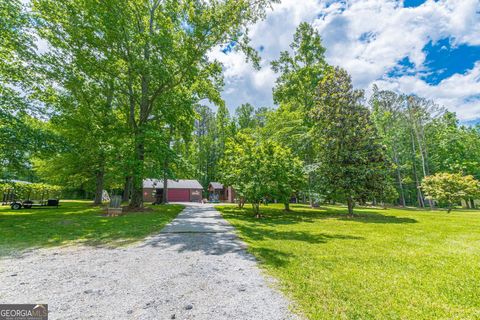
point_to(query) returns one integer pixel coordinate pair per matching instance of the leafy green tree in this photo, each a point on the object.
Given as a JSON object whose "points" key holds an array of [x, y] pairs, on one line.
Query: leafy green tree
{"points": [[295, 91], [387, 115], [285, 172], [20, 134], [260, 169], [245, 116], [202, 146], [301, 70], [350, 155], [450, 188], [84, 96], [453, 148]]}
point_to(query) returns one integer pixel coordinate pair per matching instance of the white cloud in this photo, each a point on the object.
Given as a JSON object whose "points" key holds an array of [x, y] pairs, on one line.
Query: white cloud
{"points": [[460, 93], [390, 33]]}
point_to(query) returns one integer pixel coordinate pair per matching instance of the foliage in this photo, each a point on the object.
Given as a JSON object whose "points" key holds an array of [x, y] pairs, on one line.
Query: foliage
{"points": [[422, 139], [260, 169], [285, 172], [206, 146], [370, 267], [351, 161], [295, 91], [301, 70], [244, 115], [27, 191], [20, 133], [450, 188]]}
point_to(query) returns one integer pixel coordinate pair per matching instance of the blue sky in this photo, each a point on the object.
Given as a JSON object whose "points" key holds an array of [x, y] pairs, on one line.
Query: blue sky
{"points": [[412, 3], [424, 47]]}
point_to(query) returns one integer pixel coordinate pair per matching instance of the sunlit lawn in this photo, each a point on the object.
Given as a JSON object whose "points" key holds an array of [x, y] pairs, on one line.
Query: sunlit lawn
{"points": [[76, 221], [383, 264]]}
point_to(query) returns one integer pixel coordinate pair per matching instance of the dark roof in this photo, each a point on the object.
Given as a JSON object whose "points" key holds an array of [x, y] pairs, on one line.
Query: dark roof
{"points": [[172, 184], [216, 185]]}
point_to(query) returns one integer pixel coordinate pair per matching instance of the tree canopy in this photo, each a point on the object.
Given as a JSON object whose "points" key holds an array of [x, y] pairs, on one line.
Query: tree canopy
{"points": [[450, 188]]}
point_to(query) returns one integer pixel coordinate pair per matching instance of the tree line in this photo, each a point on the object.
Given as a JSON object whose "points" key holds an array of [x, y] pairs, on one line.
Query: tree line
{"points": [[118, 96]]}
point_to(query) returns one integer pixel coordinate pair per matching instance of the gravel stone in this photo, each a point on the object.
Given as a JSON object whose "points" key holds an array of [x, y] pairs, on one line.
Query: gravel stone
{"points": [[195, 261]]}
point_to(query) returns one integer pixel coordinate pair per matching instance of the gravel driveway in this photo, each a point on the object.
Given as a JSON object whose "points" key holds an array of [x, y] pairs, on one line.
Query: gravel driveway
{"points": [[194, 269]]}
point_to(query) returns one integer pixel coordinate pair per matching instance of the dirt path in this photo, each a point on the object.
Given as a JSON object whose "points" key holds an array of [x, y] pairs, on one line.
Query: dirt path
{"points": [[195, 268]]}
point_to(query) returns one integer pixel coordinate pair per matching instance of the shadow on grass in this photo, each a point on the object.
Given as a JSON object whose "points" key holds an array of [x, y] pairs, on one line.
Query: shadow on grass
{"points": [[276, 216], [271, 257], [257, 233], [76, 222]]}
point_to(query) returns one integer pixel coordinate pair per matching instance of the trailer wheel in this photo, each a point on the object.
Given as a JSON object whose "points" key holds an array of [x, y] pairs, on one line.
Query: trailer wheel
{"points": [[16, 206]]}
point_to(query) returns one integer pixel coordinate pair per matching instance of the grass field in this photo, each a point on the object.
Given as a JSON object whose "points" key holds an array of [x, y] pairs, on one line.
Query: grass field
{"points": [[76, 221], [382, 264]]}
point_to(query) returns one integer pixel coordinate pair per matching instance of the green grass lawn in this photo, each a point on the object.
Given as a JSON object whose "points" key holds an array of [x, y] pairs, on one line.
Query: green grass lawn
{"points": [[77, 221], [382, 264]]}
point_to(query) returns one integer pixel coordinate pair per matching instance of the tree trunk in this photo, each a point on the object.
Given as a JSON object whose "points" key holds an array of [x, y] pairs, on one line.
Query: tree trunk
{"points": [[449, 208], [165, 168], [472, 203], [127, 189], [241, 202], [99, 179], [399, 178], [137, 190], [256, 209], [423, 157], [421, 203], [287, 206], [145, 104], [165, 189], [350, 204]]}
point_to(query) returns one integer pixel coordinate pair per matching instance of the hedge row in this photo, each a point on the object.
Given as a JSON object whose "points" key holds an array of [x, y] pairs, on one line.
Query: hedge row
{"points": [[30, 190]]}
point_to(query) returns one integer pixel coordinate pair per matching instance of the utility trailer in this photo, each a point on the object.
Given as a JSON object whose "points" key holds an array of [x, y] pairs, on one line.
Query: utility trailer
{"points": [[28, 204], [24, 195]]}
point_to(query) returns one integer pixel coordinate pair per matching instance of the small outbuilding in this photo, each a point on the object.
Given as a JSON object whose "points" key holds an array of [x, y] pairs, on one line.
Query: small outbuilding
{"points": [[177, 190], [217, 192]]}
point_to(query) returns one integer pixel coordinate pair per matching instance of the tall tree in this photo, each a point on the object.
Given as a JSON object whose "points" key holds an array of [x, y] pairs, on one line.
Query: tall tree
{"points": [[83, 96], [350, 155], [387, 115], [299, 74], [20, 134], [245, 116]]}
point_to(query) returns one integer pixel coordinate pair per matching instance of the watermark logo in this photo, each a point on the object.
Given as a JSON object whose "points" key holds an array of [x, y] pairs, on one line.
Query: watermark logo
{"points": [[23, 311]]}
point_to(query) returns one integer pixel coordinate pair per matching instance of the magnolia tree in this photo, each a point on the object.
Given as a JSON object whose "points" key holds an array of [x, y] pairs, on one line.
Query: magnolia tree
{"points": [[351, 160], [450, 188], [257, 170]]}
